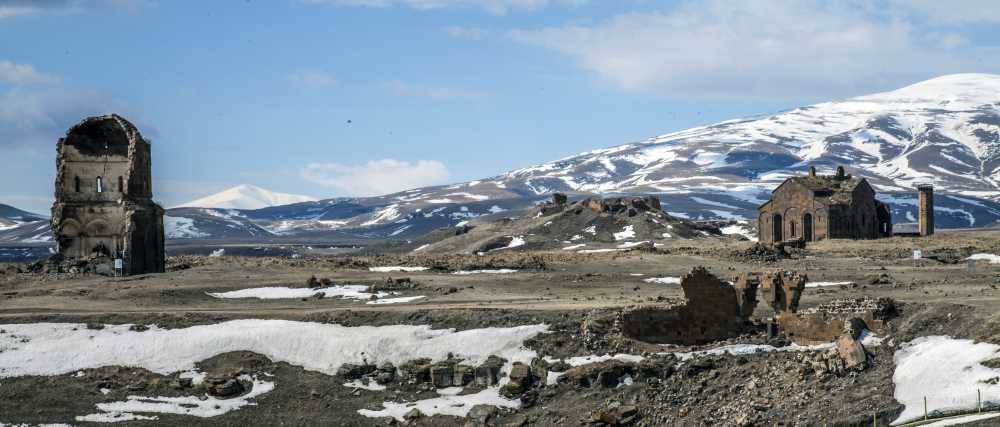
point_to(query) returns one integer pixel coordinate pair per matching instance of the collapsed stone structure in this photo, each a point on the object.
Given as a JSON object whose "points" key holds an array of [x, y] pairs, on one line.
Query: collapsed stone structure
{"points": [[816, 207], [627, 206], [715, 310], [104, 208]]}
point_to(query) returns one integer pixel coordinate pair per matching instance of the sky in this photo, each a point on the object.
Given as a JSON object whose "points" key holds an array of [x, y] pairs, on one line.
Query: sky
{"points": [[336, 98]]}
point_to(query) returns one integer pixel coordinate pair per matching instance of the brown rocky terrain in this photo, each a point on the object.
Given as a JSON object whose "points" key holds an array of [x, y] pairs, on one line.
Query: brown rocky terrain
{"points": [[592, 303]]}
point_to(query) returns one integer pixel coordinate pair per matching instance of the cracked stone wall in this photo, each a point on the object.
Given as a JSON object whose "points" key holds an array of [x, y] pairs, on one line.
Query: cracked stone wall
{"points": [[104, 206]]}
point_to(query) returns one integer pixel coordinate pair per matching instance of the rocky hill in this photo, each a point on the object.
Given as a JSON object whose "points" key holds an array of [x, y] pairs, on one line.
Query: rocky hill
{"points": [[587, 225]]}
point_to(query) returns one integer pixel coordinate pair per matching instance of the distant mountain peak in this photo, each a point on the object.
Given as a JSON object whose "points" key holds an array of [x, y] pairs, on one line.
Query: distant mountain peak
{"points": [[246, 196]]}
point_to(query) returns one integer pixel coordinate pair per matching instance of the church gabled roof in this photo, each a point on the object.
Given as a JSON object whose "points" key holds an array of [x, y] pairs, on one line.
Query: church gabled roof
{"points": [[829, 189]]}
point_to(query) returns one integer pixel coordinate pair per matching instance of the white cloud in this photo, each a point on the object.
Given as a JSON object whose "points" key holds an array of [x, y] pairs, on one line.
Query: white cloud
{"points": [[19, 74], [496, 7], [29, 118], [376, 177], [468, 33], [36, 117], [313, 80], [401, 88], [766, 48]]}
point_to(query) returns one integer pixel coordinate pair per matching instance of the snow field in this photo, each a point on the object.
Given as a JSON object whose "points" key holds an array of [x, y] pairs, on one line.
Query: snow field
{"points": [[945, 370], [343, 291]]}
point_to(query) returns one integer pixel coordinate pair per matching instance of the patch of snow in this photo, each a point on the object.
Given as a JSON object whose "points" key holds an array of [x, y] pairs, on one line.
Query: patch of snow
{"points": [[445, 404], [199, 406], [627, 233], [422, 247], [592, 230], [664, 280], [197, 377], [628, 245], [61, 348], [177, 227], [597, 251], [217, 253], [571, 247], [358, 292], [371, 386], [515, 241], [586, 360], [993, 259], [494, 271], [395, 300], [945, 370], [824, 284], [967, 419], [394, 268], [740, 230]]}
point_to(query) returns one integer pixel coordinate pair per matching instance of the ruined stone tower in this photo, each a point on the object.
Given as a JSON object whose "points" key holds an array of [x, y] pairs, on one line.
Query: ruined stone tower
{"points": [[104, 208], [925, 209]]}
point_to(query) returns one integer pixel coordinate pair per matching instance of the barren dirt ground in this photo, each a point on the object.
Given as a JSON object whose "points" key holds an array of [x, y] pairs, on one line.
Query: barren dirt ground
{"points": [[944, 295]]}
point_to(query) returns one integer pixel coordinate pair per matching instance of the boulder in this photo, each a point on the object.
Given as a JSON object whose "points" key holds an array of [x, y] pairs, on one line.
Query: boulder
{"points": [[852, 352], [483, 413], [352, 371], [413, 415], [604, 374], [617, 416], [512, 390], [224, 387]]}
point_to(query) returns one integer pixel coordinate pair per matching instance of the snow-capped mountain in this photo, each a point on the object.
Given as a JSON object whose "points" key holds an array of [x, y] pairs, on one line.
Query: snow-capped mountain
{"points": [[246, 197], [944, 131]]}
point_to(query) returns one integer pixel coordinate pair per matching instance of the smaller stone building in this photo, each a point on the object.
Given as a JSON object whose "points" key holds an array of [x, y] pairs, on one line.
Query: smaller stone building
{"points": [[815, 207], [104, 208]]}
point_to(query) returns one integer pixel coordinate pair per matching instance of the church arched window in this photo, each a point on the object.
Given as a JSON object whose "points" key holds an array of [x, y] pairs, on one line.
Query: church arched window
{"points": [[100, 185]]}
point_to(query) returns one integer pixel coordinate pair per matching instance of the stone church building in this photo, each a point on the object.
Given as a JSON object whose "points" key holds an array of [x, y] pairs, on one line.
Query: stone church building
{"points": [[815, 207], [104, 208]]}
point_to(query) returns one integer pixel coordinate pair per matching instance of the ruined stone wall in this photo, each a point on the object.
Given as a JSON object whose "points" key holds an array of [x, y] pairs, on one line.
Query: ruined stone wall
{"points": [[712, 312], [103, 189]]}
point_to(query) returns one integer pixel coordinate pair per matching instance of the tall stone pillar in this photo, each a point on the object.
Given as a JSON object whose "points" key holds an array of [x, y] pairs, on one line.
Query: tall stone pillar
{"points": [[925, 207]]}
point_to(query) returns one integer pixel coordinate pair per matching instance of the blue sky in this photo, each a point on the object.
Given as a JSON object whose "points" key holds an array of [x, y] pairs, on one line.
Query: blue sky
{"points": [[362, 97]]}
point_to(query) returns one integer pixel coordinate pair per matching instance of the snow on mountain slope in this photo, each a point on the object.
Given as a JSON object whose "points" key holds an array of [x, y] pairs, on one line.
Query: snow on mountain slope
{"points": [[246, 197], [944, 131]]}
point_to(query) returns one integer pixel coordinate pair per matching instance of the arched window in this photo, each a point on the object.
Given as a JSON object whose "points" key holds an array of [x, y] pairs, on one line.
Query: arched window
{"points": [[121, 184], [100, 185], [76, 183]]}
